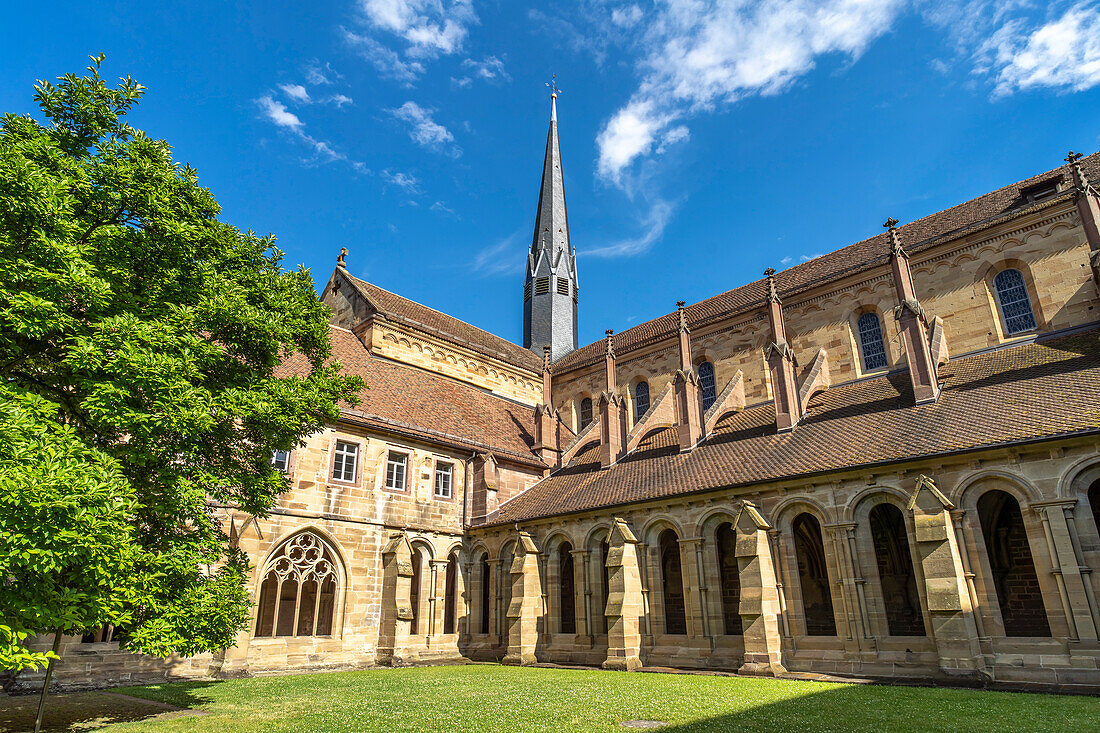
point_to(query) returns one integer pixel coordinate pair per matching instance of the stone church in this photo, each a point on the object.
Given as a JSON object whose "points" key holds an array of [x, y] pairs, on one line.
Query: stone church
{"points": [[881, 462]]}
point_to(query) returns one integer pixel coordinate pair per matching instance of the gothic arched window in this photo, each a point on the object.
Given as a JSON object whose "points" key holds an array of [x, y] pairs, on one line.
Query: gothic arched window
{"points": [[1009, 553], [813, 576], [706, 383], [486, 593], [729, 577], [871, 344], [896, 576], [586, 413], [298, 594], [672, 582], [566, 597], [450, 594], [1014, 301], [641, 399]]}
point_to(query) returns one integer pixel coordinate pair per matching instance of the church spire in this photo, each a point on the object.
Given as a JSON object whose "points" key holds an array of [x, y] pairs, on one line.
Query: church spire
{"points": [[550, 281]]}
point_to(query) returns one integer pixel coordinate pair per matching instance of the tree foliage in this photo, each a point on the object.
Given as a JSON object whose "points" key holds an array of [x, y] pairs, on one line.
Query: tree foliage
{"points": [[140, 340]]}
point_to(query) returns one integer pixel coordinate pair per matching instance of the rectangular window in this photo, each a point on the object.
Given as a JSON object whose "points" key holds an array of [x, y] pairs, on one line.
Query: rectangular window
{"points": [[527, 290], [395, 471], [563, 286], [443, 475], [542, 286], [343, 463], [280, 459]]}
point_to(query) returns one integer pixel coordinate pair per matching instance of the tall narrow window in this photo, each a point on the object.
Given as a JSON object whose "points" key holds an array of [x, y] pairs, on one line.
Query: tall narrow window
{"points": [[870, 342], [443, 475], [813, 576], [600, 621], [672, 582], [343, 463], [280, 459], [450, 595], [486, 593], [1018, 592], [1014, 301], [298, 594], [641, 399], [707, 384], [395, 471], [566, 597], [729, 578], [414, 589], [895, 571], [1094, 502], [586, 412]]}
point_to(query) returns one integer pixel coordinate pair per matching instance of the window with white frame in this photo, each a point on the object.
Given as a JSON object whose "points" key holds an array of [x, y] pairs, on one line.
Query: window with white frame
{"points": [[280, 459], [444, 475], [395, 471], [344, 461]]}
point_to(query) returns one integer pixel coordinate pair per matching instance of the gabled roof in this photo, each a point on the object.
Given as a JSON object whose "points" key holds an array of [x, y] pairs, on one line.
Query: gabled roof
{"points": [[916, 236], [446, 327], [429, 406], [1018, 394]]}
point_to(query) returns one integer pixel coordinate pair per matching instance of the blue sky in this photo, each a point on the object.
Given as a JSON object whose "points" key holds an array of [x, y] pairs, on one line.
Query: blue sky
{"points": [[702, 142]]}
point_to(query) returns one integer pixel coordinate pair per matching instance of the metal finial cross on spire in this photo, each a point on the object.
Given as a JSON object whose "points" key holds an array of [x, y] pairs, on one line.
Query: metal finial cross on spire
{"points": [[553, 85]]}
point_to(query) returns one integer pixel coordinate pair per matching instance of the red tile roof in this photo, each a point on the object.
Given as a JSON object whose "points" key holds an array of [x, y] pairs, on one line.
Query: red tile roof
{"points": [[916, 236], [447, 327], [1022, 393], [422, 404]]}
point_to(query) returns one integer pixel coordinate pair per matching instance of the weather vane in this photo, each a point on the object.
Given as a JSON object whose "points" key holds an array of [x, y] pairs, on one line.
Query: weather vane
{"points": [[553, 84]]}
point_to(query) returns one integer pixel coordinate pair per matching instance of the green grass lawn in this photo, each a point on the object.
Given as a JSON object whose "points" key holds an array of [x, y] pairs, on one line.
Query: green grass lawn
{"points": [[494, 698]]}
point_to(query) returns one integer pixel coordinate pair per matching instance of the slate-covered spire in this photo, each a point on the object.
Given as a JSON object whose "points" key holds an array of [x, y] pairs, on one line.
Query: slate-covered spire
{"points": [[550, 281]]}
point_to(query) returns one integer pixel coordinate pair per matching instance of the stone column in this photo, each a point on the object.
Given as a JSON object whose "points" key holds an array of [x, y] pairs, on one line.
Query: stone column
{"points": [[394, 646], [912, 323], [1067, 567], [694, 591], [781, 363], [526, 607], [438, 598], [624, 602], [950, 612], [759, 607], [581, 594]]}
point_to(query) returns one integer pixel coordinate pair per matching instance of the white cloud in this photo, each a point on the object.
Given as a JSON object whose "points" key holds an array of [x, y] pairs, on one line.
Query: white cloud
{"points": [[626, 17], [277, 112], [339, 100], [654, 224], [426, 29], [296, 93], [1063, 53], [491, 67], [424, 130], [441, 208], [323, 152], [318, 75], [502, 258], [405, 181], [705, 53]]}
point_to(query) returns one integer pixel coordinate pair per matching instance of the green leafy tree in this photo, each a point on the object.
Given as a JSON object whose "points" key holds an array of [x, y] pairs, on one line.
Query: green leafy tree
{"points": [[140, 340]]}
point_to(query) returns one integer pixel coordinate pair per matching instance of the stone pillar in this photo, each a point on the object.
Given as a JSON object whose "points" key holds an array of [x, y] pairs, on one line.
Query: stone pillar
{"points": [[694, 585], [547, 420], [581, 593], [1067, 568], [1088, 208], [759, 608], [781, 363], [526, 607], [912, 324], [439, 595], [689, 400], [624, 603], [950, 612], [394, 646], [612, 413]]}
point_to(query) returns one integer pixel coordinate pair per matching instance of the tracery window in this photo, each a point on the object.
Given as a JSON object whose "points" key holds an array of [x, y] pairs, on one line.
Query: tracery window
{"points": [[706, 383], [641, 399], [298, 594], [871, 344], [586, 412], [1014, 301]]}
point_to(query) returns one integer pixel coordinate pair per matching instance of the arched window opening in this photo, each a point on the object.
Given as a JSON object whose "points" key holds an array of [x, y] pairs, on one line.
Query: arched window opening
{"points": [[586, 413], [1014, 578], [566, 596], [1094, 502], [707, 384], [895, 571], [641, 400], [871, 344], [298, 593], [450, 595], [605, 588], [1014, 301], [813, 576], [728, 574], [672, 581], [486, 593], [414, 591]]}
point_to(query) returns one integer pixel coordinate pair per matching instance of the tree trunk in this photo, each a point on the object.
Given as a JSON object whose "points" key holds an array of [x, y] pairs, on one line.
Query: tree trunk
{"points": [[46, 682]]}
